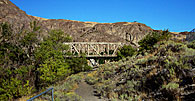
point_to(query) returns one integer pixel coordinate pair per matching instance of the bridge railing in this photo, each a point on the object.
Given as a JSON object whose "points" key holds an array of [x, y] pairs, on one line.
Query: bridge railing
{"points": [[52, 97], [94, 49]]}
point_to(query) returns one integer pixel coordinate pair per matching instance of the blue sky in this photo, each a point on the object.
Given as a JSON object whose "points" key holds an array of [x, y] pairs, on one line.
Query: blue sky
{"points": [[175, 15]]}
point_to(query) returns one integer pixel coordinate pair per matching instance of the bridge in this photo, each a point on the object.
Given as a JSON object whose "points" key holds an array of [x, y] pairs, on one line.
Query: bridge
{"points": [[94, 49]]}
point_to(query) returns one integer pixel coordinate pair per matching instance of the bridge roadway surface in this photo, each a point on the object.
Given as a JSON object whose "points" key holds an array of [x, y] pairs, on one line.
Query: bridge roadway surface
{"points": [[94, 49]]}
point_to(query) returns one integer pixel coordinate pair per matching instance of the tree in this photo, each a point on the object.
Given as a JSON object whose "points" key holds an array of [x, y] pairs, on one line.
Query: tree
{"points": [[14, 67], [51, 65], [78, 64], [27, 63], [151, 39], [52, 46], [6, 32], [125, 51], [52, 70]]}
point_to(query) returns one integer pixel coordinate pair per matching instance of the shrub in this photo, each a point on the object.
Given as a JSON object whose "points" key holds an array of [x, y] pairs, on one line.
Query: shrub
{"points": [[78, 64], [191, 45], [50, 58], [26, 64], [171, 86], [52, 70], [151, 39], [6, 32], [52, 46], [15, 67], [52, 65], [14, 83], [125, 51]]}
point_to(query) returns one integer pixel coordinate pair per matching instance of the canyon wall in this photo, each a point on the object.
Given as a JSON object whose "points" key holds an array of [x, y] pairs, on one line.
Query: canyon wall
{"points": [[80, 31]]}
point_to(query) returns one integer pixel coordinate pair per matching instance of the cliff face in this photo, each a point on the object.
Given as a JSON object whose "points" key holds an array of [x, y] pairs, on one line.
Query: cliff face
{"points": [[191, 36], [100, 32], [80, 31], [12, 14]]}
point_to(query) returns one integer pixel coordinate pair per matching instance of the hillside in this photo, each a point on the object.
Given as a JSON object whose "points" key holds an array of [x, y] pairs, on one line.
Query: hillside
{"points": [[33, 57], [165, 74], [80, 31]]}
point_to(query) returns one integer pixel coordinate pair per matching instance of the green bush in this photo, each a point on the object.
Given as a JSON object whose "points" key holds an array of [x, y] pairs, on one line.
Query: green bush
{"points": [[191, 44], [52, 46], [151, 39], [15, 67], [27, 64], [171, 86], [52, 70], [14, 83], [6, 32], [14, 88], [31, 37], [125, 51], [78, 64], [52, 65], [50, 58]]}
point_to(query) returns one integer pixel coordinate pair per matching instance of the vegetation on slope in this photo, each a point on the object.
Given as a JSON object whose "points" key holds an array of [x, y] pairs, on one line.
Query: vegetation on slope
{"points": [[160, 70], [28, 64], [153, 38], [65, 90], [125, 51], [165, 73]]}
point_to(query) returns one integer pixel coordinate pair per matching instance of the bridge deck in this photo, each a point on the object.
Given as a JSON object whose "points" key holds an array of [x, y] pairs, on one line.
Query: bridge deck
{"points": [[94, 49]]}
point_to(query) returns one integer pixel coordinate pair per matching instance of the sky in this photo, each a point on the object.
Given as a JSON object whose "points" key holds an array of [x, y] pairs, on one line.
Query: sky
{"points": [[175, 15]]}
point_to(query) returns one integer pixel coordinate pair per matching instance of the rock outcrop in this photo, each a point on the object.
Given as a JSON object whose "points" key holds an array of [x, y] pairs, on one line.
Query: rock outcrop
{"points": [[191, 36], [80, 31]]}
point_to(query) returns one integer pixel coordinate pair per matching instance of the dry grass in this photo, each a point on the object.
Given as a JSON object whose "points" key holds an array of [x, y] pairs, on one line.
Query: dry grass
{"points": [[39, 18]]}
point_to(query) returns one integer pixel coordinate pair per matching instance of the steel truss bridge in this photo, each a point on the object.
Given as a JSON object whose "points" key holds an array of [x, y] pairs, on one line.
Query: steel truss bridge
{"points": [[94, 49]]}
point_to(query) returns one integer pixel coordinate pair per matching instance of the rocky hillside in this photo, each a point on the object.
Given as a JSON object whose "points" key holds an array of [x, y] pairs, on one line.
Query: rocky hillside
{"points": [[166, 74], [80, 31]]}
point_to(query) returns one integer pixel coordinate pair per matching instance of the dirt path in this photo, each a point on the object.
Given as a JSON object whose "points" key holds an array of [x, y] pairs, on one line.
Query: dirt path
{"points": [[86, 92]]}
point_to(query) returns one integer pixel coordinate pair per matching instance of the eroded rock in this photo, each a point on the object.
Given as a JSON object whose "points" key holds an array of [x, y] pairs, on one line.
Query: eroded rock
{"points": [[80, 31]]}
